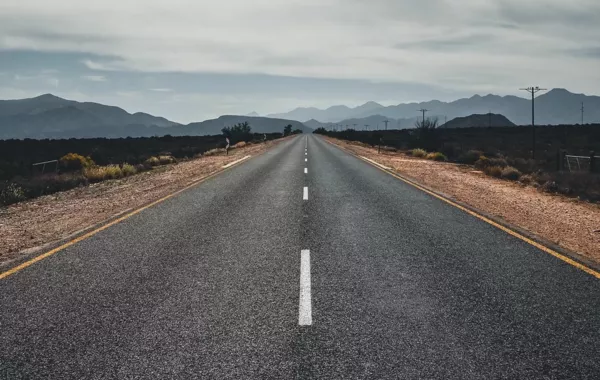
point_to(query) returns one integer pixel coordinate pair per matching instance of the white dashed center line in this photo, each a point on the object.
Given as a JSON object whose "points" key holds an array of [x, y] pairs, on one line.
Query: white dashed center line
{"points": [[306, 160], [305, 306], [305, 194], [305, 170]]}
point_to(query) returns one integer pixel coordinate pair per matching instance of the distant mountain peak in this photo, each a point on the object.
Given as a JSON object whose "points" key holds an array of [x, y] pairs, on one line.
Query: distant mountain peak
{"points": [[47, 96], [253, 114]]}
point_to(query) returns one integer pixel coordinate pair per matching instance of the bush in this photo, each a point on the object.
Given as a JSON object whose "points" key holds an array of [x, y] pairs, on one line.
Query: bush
{"points": [[418, 153], [528, 179], [470, 157], [152, 161], [164, 160], [550, 187], [484, 162], [102, 173], [494, 171], [437, 156], [73, 162], [11, 193], [511, 173], [128, 170]]}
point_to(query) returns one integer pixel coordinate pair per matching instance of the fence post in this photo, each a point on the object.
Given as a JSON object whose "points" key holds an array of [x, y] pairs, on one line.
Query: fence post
{"points": [[592, 162]]}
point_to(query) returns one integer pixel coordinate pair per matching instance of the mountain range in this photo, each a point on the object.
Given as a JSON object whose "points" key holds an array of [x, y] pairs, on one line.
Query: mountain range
{"points": [[49, 116], [557, 106]]}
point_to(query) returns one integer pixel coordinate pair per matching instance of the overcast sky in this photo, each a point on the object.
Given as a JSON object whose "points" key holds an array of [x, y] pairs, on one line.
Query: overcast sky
{"points": [[189, 60]]}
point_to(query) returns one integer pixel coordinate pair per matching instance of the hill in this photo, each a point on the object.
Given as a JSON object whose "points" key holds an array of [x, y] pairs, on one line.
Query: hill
{"points": [[49, 116], [258, 124], [557, 106], [479, 120]]}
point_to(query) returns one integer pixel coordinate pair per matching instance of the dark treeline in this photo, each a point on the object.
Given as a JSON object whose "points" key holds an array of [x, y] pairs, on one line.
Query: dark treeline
{"points": [[513, 142], [17, 156]]}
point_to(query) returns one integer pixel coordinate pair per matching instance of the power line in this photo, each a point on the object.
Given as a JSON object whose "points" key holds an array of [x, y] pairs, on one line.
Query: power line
{"points": [[533, 90]]}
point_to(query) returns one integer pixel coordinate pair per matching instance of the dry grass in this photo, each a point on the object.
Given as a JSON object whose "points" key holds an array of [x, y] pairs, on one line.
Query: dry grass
{"points": [[214, 152], [437, 156], [241, 144], [420, 153]]}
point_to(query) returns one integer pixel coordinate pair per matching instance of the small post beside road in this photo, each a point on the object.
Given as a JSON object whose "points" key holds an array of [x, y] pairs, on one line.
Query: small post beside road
{"points": [[227, 146]]}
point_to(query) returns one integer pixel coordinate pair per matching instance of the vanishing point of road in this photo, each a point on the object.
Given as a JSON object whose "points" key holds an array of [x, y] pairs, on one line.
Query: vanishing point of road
{"points": [[303, 262]]}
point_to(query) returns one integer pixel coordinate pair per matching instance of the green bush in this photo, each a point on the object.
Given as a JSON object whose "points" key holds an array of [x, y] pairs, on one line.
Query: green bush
{"points": [[437, 156], [421, 153], [73, 162], [11, 193], [485, 162], [128, 170], [470, 157], [164, 160], [152, 161], [511, 173], [494, 171], [102, 173]]}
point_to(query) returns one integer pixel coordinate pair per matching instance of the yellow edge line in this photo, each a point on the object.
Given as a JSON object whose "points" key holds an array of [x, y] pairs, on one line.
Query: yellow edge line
{"points": [[102, 228], [552, 252]]}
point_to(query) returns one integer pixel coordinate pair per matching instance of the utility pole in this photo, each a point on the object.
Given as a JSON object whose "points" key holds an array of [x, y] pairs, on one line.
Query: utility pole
{"points": [[533, 90], [386, 123], [354, 126], [366, 127], [582, 113], [490, 118], [423, 110]]}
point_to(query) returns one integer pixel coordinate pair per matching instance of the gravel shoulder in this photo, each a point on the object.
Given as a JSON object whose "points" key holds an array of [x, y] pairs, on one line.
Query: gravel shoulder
{"points": [[567, 222], [29, 225]]}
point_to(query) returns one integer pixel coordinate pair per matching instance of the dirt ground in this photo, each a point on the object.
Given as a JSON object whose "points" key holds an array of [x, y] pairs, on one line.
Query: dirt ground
{"points": [[26, 226], [567, 222]]}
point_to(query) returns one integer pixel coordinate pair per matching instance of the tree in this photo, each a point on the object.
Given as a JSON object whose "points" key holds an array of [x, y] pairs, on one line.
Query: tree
{"points": [[297, 131], [320, 131], [426, 133], [239, 132], [287, 130]]}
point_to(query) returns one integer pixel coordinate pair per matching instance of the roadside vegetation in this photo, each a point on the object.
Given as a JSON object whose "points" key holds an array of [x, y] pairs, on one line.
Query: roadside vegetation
{"points": [[81, 162], [503, 153]]}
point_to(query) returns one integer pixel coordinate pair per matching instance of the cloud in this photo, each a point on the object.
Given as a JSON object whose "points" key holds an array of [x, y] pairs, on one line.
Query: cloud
{"points": [[94, 78], [161, 89], [448, 45]]}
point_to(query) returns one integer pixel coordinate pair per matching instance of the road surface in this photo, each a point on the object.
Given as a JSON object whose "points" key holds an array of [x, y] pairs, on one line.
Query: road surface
{"points": [[304, 262]]}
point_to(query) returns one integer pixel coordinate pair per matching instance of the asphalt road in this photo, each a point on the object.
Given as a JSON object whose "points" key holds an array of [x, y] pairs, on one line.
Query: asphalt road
{"points": [[211, 284]]}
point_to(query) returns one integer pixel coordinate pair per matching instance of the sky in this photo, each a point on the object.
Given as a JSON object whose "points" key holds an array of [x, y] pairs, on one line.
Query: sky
{"points": [[190, 60]]}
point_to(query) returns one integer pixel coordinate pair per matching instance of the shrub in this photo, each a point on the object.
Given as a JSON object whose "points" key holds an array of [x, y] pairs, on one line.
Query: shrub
{"points": [[528, 179], [102, 173], [418, 153], [550, 187], [128, 170], [484, 162], [74, 161], [470, 157], [12, 193], [164, 160], [437, 156], [494, 171], [241, 144], [152, 161], [511, 173]]}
